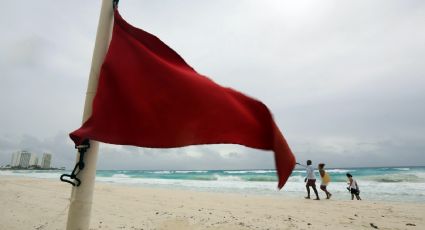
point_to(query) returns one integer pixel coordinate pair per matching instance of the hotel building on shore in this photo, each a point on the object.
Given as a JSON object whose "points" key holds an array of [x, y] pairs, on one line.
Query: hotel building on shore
{"points": [[25, 159], [45, 161], [21, 159], [33, 160]]}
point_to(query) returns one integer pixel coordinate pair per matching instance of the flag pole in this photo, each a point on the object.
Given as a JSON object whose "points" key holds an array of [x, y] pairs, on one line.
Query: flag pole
{"points": [[82, 196]]}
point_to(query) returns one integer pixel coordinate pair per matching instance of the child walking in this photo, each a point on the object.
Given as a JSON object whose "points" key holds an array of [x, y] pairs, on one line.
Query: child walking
{"points": [[353, 187], [325, 180]]}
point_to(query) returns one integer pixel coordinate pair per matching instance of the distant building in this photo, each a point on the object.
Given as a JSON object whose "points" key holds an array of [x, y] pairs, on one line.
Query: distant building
{"points": [[45, 161], [16, 157], [21, 159], [33, 160], [25, 159]]}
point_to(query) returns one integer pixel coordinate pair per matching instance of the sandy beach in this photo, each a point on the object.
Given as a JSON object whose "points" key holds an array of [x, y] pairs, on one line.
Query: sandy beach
{"points": [[29, 203]]}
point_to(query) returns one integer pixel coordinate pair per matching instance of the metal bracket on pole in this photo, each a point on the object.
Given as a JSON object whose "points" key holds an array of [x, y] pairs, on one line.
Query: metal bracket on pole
{"points": [[79, 166], [115, 3]]}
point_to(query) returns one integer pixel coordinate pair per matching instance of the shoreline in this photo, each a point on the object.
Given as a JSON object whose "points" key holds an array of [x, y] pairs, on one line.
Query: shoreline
{"points": [[393, 192], [31, 203], [278, 194]]}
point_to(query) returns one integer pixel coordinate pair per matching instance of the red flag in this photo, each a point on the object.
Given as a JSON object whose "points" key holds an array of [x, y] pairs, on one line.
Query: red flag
{"points": [[149, 96]]}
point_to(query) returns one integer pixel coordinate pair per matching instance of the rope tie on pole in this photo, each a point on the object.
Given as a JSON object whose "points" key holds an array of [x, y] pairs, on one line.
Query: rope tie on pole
{"points": [[78, 166]]}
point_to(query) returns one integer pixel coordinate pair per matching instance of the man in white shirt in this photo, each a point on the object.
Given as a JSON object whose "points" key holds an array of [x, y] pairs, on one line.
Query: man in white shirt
{"points": [[310, 179]]}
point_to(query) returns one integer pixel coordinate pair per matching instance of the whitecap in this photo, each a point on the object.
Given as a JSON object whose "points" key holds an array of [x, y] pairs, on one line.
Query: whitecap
{"points": [[236, 172], [120, 175], [263, 171], [161, 172], [403, 169], [340, 170], [191, 171], [227, 178]]}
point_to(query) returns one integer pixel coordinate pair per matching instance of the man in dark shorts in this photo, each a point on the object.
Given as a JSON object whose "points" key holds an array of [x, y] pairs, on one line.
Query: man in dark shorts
{"points": [[310, 180], [353, 187]]}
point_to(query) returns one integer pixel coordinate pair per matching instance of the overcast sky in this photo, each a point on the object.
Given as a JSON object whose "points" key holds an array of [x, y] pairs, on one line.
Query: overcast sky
{"points": [[345, 80]]}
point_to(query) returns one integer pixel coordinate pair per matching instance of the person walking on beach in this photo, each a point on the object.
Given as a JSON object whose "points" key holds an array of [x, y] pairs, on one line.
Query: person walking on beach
{"points": [[310, 179], [353, 187], [325, 180]]}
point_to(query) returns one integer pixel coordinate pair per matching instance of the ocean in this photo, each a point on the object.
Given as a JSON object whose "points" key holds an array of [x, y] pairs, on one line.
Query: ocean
{"points": [[402, 184]]}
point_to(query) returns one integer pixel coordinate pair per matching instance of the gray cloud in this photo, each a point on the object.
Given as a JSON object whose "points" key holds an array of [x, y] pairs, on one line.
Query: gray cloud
{"points": [[194, 157], [344, 80], [63, 153], [128, 157], [351, 153]]}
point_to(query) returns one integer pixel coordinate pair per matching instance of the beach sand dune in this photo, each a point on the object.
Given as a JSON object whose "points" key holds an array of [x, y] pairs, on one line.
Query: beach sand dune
{"points": [[28, 203]]}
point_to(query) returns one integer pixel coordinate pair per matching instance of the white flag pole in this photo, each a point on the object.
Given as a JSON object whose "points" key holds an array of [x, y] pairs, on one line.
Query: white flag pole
{"points": [[82, 196]]}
